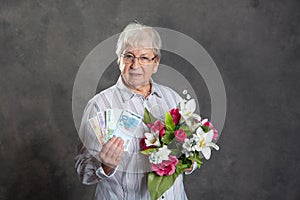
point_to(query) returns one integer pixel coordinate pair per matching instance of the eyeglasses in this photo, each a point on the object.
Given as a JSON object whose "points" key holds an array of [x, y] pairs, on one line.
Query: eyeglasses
{"points": [[129, 59]]}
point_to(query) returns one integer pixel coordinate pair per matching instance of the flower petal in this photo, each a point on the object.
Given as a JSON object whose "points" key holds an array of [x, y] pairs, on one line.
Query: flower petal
{"points": [[182, 105], [209, 136], [196, 117], [204, 121], [191, 105], [200, 131], [206, 151], [213, 145], [149, 136]]}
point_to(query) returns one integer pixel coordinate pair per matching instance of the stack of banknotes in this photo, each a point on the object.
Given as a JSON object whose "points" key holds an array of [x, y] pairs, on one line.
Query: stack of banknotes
{"points": [[119, 123]]}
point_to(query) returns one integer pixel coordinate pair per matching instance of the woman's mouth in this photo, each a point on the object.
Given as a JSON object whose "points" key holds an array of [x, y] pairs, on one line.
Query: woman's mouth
{"points": [[135, 74]]}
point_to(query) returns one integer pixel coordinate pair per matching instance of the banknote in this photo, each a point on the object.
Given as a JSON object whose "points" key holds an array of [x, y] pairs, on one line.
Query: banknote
{"points": [[94, 122], [102, 124], [111, 118], [126, 126]]}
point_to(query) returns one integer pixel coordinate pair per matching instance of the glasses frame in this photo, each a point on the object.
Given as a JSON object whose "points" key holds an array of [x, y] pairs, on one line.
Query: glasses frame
{"points": [[135, 57]]}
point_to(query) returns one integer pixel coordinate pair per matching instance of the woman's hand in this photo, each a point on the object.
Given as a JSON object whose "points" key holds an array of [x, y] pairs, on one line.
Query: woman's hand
{"points": [[111, 154]]}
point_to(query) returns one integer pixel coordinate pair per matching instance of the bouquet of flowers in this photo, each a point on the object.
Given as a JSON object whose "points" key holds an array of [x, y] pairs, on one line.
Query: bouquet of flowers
{"points": [[174, 144]]}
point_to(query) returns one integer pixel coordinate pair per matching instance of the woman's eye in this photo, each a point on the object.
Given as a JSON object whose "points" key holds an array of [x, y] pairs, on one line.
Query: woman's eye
{"points": [[129, 57], [144, 58]]}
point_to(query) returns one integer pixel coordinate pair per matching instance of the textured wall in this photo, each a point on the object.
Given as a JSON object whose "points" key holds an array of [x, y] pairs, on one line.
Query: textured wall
{"points": [[255, 44]]}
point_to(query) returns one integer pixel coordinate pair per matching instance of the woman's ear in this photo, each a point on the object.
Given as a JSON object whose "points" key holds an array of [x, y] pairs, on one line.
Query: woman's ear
{"points": [[156, 63], [157, 59], [121, 65]]}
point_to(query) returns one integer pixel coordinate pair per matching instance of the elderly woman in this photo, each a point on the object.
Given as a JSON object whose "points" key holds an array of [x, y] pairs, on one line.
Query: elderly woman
{"points": [[122, 174]]}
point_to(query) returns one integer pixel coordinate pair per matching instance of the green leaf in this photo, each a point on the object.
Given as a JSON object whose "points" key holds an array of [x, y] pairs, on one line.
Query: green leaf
{"points": [[157, 185], [168, 137], [205, 128], [196, 158], [170, 125], [148, 151], [180, 167], [148, 117]]}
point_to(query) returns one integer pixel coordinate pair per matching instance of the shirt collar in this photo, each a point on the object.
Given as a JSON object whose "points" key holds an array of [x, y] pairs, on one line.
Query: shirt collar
{"points": [[127, 94]]}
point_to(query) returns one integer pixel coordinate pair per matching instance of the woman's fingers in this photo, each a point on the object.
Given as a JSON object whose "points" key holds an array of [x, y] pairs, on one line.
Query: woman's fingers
{"points": [[112, 152], [120, 151], [110, 146]]}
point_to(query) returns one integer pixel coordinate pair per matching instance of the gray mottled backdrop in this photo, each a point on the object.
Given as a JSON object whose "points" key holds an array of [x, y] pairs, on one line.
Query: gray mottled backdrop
{"points": [[255, 44]]}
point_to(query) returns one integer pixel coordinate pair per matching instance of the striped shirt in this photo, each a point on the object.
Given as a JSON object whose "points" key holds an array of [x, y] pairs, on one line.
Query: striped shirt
{"points": [[129, 180]]}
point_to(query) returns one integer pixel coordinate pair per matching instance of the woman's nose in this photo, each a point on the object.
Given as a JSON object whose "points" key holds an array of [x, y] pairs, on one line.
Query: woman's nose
{"points": [[135, 63]]}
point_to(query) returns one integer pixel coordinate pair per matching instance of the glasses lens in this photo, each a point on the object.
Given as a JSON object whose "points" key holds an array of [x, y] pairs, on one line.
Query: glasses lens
{"points": [[129, 59], [144, 60]]}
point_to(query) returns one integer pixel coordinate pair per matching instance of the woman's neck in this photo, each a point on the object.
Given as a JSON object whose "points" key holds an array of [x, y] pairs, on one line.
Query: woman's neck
{"points": [[144, 90]]}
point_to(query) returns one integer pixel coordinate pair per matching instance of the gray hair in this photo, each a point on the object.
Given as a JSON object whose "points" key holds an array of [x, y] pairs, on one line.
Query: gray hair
{"points": [[138, 35]]}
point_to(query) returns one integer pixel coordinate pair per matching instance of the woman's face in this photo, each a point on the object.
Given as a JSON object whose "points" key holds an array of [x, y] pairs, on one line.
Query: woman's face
{"points": [[136, 75]]}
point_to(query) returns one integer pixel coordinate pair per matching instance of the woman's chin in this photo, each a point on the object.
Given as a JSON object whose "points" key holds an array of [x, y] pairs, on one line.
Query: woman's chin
{"points": [[136, 84]]}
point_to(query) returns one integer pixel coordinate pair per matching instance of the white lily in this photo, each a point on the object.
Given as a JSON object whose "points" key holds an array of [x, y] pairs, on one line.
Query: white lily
{"points": [[200, 132], [205, 143], [161, 155], [187, 147], [203, 121], [194, 121], [187, 108], [152, 139]]}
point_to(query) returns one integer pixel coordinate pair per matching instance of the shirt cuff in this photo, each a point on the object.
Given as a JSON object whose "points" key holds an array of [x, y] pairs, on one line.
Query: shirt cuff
{"points": [[101, 174], [194, 167]]}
